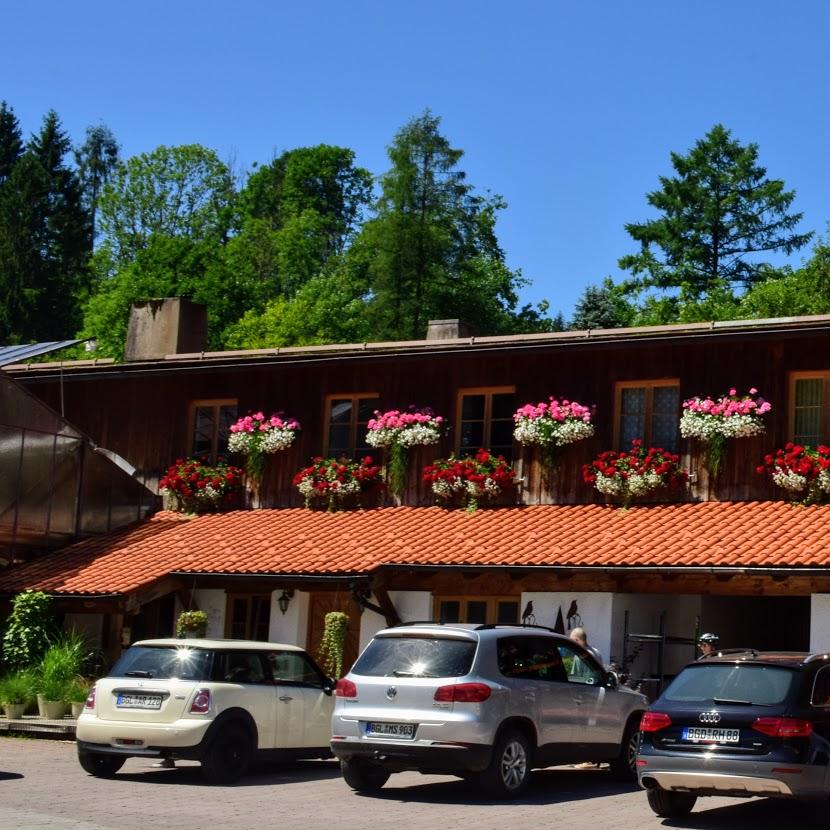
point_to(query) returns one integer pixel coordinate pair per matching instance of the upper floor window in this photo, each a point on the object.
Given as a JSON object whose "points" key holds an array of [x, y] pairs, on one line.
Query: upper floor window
{"points": [[486, 420], [347, 417], [480, 610], [648, 410], [211, 424], [810, 407]]}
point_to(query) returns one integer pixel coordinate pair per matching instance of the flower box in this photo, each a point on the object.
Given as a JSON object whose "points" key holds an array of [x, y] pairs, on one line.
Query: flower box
{"points": [[192, 486], [466, 482], [334, 484], [802, 471], [257, 436]]}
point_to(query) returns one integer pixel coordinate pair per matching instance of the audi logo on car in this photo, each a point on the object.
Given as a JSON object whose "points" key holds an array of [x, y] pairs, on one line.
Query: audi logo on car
{"points": [[709, 717], [391, 692]]}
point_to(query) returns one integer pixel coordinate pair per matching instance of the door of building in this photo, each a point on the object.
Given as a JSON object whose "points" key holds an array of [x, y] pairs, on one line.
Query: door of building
{"points": [[322, 603]]}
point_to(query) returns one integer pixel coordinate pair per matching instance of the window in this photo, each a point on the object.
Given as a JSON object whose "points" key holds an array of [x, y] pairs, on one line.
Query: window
{"points": [[347, 417], [295, 668], [210, 423], [579, 666], [650, 411], [821, 688], [248, 616], [481, 610], [531, 658], [810, 407], [485, 419], [238, 667]]}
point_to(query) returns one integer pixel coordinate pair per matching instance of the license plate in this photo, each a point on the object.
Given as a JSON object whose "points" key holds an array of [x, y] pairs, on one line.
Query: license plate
{"points": [[392, 730], [715, 736], [138, 702]]}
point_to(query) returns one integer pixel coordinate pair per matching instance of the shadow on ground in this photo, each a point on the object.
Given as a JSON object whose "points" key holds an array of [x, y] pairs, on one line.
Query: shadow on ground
{"points": [[755, 814], [9, 776]]}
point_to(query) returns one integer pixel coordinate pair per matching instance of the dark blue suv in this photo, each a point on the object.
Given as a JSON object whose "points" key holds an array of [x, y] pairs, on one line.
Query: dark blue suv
{"points": [[740, 724]]}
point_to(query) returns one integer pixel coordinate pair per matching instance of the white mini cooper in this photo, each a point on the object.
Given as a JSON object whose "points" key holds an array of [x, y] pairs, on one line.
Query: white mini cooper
{"points": [[221, 702]]}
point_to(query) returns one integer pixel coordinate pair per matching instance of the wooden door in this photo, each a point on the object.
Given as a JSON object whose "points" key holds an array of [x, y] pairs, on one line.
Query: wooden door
{"points": [[322, 603]]}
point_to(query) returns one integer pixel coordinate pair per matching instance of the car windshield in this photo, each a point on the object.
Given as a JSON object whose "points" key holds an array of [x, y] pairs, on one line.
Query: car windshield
{"points": [[164, 662], [730, 683], [416, 657]]}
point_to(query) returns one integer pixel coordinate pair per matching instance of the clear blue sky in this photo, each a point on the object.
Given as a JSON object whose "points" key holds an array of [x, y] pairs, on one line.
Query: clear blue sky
{"points": [[569, 110]]}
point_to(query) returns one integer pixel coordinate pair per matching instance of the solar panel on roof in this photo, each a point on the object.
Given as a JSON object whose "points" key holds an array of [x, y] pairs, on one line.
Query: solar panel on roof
{"points": [[16, 354]]}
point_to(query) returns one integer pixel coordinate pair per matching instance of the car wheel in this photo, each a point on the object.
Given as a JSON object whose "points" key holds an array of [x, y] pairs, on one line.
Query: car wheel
{"points": [[508, 773], [362, 776], [624, 766], [667, 804], [99, 764], [228, 755]]}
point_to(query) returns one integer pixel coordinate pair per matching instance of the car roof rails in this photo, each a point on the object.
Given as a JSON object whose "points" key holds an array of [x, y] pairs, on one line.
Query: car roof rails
{"points": [[419, 622], [486, 626]]}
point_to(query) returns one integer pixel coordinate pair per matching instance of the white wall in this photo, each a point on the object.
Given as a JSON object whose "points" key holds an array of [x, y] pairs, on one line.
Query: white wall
{"points": [[292, 626], [410, 605], [644, 610], [594, 610], [213, 602], [820, 622]]}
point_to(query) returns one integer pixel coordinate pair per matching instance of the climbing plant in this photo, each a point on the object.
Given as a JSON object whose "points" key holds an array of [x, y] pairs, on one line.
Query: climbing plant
{"points": [[30, 630], [333, 642]]}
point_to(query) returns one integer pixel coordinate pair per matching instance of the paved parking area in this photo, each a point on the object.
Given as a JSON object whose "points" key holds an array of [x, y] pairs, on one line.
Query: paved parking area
{"points": [[43, 788]]}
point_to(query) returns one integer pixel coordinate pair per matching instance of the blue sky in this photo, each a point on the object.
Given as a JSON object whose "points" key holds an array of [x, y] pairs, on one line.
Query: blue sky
{"points": [[568, 110]]}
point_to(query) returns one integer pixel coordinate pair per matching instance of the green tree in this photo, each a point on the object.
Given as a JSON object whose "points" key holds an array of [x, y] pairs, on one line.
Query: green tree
{"points": [[181, 191], [718, 213], [95, 159], [434, 251], [11, 141], [602, 307]]}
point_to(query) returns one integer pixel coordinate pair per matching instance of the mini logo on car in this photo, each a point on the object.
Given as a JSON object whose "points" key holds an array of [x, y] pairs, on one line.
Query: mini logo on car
{"points": [[391, 693], [709, 717]]}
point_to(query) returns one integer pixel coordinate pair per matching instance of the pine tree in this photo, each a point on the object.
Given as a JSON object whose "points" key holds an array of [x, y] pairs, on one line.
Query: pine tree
{"points": [[96, 160], [11, 142]]}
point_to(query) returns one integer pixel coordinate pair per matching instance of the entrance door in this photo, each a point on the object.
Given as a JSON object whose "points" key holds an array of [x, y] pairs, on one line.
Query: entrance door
{"points": [[322, 603]]}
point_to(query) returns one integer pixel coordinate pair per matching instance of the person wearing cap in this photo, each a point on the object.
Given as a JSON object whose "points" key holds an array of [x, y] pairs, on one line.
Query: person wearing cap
{"points": [[708, 645]]}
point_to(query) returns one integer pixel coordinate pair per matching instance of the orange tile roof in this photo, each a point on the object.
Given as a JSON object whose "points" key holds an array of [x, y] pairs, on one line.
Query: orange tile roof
{"points": [[303, 542]]}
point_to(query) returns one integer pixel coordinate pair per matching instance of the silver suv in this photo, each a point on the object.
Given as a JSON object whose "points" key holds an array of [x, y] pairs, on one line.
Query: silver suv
{"points": [[485, 702]]}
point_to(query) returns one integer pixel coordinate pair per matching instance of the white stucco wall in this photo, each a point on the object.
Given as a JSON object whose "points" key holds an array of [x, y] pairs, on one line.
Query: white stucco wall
{"points": [[410, 605], [213, 602], [291, 627], [820, 622], [594, 610]]}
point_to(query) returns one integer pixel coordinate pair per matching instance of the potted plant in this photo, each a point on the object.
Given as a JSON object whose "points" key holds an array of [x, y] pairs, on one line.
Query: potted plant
{"points": [[396, 432], [469, 481], [58, 670], [552, 425], [17, 693], [333, 483], [77, 694], [802, 471], [257, 436], [193, 486], [192, 624], [627, 475]]}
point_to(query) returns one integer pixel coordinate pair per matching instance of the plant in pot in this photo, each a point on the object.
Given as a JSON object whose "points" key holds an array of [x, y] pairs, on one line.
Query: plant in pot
{"points": [[17, 693], [192, 624], [333, 643], [77, 694], [59, 668]]}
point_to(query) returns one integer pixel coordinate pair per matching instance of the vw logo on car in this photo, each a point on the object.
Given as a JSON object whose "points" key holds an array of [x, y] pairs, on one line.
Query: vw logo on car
{"points": [[391, 693], [709, 717]]}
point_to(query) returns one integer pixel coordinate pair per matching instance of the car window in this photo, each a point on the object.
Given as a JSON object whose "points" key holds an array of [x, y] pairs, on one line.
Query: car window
{"points": [[579, 666], [416, 657], [164, 663], [293, 667], [530, 658], [239, 667], [761, 685], [821, 688]]}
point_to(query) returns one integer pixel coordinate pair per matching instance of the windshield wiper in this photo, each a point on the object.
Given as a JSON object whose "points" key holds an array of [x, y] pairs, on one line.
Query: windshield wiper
{"points": [[736, 702], [138, 673]]}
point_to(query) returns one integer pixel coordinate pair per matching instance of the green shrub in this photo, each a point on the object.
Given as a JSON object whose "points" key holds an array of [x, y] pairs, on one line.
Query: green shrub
{"points": [[18, 688], [60, 667], [30, 629]]}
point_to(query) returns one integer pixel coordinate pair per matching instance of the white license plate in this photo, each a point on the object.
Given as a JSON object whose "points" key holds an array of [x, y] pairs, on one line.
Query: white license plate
{"points": [[391, 730], [138, 702], [715, 736]]}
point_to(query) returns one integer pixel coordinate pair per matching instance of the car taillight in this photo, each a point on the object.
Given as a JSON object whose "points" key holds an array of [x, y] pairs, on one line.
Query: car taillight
{"points": [[89, 703], [201, 702], [463, 693], [345, 688], [654, 721], [783, 727]]}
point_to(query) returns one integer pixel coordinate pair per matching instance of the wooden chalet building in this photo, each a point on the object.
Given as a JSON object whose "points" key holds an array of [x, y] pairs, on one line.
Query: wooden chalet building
{"points": [[729, 554]]}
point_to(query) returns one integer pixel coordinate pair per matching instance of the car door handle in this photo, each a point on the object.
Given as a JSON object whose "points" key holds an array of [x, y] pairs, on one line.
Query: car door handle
{"points": [[285, 698], [578, 701]]}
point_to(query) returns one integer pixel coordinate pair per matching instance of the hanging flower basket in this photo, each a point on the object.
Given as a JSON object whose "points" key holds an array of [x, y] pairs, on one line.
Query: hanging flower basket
{"points": [[257, 437], [334, 484], [802, 471], [628, 475], [396, 432], [468, 481], [714, 421], [191, 624], [333, 643], [192, 486], [552, 425]]}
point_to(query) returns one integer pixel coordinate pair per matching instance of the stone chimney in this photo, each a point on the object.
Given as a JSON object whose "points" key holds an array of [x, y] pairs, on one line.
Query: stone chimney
{"points": [[161, 327], [448, 329]]}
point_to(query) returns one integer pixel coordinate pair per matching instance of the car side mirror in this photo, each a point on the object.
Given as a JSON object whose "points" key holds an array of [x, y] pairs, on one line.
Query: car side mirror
{"points": [[329, 685], [612, 681]]}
